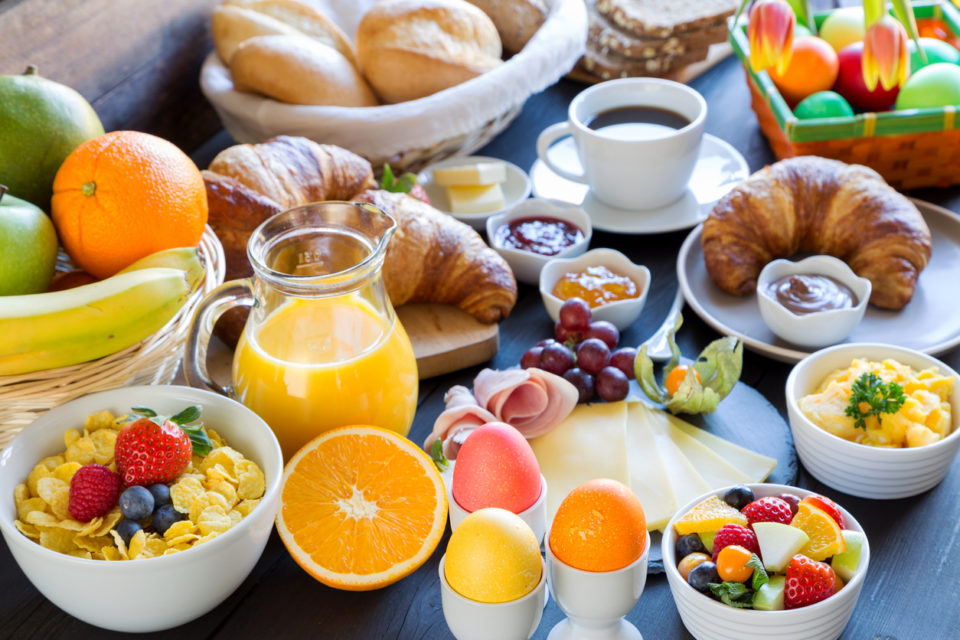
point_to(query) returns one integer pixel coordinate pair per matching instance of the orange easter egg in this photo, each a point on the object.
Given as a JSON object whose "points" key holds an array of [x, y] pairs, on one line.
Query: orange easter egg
{"points": [[813, 67]]}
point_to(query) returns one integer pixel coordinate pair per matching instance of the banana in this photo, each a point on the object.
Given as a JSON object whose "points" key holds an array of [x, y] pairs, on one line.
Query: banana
{"points": [[60, 328], [184, 258]]}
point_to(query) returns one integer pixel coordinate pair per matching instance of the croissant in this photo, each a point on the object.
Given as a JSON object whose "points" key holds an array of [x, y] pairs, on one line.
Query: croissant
{"points": [[818, 205]]}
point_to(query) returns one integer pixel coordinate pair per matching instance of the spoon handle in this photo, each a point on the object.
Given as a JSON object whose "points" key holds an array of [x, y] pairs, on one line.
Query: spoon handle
{"points": [[657, 347]]}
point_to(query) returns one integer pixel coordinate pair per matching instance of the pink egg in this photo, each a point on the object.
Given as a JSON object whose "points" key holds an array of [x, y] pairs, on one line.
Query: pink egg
{"points": [[496, 468]]}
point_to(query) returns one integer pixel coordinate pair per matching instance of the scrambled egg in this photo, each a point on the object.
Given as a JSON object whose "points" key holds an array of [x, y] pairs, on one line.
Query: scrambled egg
{"points": [[923, 419]]}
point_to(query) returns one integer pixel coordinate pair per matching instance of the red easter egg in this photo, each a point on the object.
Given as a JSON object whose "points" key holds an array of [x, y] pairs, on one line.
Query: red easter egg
{"points": [[851, 86], [496, 468]]}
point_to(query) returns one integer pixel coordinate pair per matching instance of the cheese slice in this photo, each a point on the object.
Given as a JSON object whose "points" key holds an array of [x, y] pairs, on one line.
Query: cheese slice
{"points": [[648, 476], [687, 483], [752, 464], [481, 199], [714, 469], [468, 175], [590, 443]]}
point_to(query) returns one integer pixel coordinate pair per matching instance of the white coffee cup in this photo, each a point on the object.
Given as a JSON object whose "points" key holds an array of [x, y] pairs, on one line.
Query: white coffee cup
{"points": [[632, 166]]}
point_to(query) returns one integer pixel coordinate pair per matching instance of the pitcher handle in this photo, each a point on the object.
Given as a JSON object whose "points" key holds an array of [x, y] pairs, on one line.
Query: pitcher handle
{"points": [[233, 293]]}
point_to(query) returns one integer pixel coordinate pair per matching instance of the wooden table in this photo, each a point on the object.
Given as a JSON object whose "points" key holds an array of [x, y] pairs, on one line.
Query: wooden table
{"points": [[913, 583]]}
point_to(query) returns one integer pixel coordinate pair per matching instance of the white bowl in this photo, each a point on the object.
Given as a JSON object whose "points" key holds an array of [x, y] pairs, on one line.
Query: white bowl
{"points": [[516, 188], [812, 329], [708, 619], [527, 265], [621, 313], [150, 594], [535, 515], [859, 469]]}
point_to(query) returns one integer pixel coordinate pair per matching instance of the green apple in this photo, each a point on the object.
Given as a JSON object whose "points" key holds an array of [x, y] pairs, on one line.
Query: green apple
{"points": [[769, 597], [28, 247], [778, 543], [706, 537], [845, 564]]}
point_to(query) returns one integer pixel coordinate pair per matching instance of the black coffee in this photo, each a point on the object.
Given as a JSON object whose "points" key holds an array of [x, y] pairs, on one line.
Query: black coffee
{"points": [[637, 123]]}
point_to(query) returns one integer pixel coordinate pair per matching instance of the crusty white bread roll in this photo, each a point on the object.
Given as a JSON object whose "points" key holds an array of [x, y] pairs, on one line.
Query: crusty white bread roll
{"points": [[299, 70], [229, 26], [408, 49], [303, 17], [516, 20]]}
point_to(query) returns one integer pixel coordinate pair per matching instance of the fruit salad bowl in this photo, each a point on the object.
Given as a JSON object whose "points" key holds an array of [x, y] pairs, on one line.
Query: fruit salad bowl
{"points": [[709, 619], [167, 590]]}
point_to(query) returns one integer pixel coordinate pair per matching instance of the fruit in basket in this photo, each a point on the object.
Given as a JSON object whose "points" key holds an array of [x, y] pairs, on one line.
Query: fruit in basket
{"points": [[936, 85], [823, 104], [851, 85], [124, 195], [28, 247], [842, 27], [935, 50], [41, 122], [813, 67]]}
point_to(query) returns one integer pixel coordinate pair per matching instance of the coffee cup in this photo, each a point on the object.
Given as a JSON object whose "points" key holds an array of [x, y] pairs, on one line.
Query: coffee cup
{"points": [[638, 140]]}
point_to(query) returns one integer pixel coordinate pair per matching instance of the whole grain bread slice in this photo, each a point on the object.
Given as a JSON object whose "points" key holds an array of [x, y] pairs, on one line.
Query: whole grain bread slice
{"points": [[607, 64], [663, 18], [608, 36]]}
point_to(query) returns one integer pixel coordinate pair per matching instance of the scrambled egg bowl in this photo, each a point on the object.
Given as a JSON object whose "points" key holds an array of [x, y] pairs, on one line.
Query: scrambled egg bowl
{"points": [[923, 419]]}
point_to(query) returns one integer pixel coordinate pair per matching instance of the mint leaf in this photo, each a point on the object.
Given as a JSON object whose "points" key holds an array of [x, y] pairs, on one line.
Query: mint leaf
{"points": [[146, 412], [387, 183], [436, 453], [760, 576], [187, 415], [403, 184], [733, 594], [199, 439]]}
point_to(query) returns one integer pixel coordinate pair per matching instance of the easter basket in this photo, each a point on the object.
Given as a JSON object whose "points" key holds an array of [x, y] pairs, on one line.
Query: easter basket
{"points": [[910, 148], [154, 360]]}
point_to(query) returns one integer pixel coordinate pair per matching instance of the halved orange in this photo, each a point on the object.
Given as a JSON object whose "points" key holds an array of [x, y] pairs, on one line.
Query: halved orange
{"points": [[361, 507], [826, 537]]}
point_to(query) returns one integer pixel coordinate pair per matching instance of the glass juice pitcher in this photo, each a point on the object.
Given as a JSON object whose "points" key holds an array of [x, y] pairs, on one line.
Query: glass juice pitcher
{"points": [[322, 346]]}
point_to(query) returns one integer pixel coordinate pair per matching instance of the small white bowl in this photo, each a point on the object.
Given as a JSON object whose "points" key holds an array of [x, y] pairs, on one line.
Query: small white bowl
{"points": [[516, 188], [150, 594], [707, 619], [535, 515], [859, 469], [621, 313], [472, 620], [527, 265], [812, 329]]}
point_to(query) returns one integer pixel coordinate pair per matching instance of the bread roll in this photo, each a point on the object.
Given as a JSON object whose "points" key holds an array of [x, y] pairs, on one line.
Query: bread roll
{"points": [[516, 20], [408, 49], [304, 18], [298, 70], [229, 26]]}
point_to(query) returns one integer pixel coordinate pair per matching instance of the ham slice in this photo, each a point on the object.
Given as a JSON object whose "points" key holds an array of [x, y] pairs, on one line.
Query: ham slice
{"points": [[461, 416]]}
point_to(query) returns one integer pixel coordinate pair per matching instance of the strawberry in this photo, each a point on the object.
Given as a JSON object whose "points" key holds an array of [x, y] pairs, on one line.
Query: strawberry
{"points": [[769, 509], [418, 192], [735, 534], [407, 183], [808, 581], [94, 490], [154, 449], [828, 505]]}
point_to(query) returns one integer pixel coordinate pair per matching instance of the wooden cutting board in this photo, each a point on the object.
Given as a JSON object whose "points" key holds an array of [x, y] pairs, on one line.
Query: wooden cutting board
{"points": [[446, 339]]}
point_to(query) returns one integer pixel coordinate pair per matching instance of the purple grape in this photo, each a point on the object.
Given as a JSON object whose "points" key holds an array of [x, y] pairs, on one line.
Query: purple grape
{"points": [[545, 342], [604, 330], [583, 381], [556, 359], [623, 359], [531, 358], [611, 384], [592, 355], [575, 314], [562, 334], [792, 500]]}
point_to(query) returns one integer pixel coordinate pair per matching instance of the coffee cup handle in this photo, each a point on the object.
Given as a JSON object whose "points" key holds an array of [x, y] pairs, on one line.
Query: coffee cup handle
{"points": [[547, 138]]}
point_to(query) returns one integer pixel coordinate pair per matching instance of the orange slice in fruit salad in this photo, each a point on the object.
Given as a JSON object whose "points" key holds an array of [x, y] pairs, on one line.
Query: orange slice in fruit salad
{"points": [[361, 507], [708, 515], [826, 537]]}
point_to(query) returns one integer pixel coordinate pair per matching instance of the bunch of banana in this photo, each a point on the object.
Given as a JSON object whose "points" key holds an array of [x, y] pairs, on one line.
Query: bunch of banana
{"points": [[60, 328]]}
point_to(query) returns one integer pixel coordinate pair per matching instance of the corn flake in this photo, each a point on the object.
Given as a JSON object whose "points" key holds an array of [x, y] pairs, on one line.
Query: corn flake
{"points": [[246, 506], [251, 481], [70, 436], [38, 472], [184, 492], [28, 506], [66, 470], [57, 539], [81, 450], [100, 420], [26, 529], [103, 445]]}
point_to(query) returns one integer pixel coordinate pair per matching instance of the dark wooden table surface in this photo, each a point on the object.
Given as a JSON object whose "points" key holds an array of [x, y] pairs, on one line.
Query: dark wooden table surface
{"points": [[913, 585]]}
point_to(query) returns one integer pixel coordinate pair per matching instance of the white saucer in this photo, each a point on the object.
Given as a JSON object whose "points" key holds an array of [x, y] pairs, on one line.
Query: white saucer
{"points": [[719, 168]]}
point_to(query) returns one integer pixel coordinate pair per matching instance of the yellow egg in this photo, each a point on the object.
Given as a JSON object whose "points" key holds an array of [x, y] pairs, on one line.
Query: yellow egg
{"points": [[493, 556]]}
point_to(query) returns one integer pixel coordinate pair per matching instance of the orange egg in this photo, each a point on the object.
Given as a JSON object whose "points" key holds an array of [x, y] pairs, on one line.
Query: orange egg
{"points": [[813, 67], [599, 526]]}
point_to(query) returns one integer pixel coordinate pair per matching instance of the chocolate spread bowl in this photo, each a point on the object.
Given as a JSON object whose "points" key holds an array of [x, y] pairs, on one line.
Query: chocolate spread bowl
{"points": [[803, 302]]}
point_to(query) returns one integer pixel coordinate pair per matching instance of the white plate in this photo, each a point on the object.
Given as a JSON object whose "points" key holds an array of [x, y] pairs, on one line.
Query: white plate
{"points": [[719, 168], [929, 323], [515, 189]]}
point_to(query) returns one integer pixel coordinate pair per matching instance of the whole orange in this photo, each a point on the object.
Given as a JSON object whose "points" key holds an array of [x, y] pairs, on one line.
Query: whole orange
{"points": [[599, 526], [813, 67], [124, 195]]}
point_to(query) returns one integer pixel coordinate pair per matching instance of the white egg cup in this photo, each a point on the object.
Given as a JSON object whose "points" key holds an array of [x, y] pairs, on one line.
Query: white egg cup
{"points": [[535, 515], [596, 602], [472, 620]]}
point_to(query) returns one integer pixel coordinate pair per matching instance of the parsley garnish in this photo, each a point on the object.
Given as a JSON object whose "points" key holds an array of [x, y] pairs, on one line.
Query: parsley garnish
{"points": [[879, 396]]}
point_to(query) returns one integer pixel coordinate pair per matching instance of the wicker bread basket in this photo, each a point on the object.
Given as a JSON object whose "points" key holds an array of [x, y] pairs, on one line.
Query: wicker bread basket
{"points": [[155, 360], [910, 148], [410, 135]]}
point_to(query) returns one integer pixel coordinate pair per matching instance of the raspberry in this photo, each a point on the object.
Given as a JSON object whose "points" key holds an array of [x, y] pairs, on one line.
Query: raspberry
{"points": [[769, 509], [808, 581], [735, 534], [93, 492]]}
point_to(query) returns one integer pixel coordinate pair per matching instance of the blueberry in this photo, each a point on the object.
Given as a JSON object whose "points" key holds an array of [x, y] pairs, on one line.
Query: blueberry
{"points": [[738, 497], [165, 516], [136, 503], [160, 493], [688, 544], [126, 529], [702, 575]]}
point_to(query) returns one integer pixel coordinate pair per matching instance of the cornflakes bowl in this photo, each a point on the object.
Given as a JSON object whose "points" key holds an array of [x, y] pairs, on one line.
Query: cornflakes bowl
{"points": [[182, 586], [858, 469]]}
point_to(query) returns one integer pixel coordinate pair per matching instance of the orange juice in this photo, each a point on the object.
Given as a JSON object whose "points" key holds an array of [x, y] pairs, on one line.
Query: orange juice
{"points": [[315, 364]]}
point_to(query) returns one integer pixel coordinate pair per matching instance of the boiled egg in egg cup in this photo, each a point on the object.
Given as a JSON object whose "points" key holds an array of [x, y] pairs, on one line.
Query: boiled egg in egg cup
{"points": [[819, 328]]}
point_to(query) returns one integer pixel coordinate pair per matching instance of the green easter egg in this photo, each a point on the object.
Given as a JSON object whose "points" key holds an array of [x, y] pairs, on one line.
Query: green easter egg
{"points": [[801, 31], [823, 104], [935, 85], [936, 50]]}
